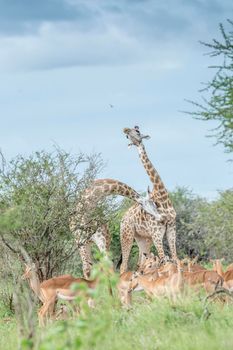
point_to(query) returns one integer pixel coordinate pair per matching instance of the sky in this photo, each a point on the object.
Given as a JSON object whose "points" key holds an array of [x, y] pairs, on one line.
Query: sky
{"points": [[64, 62]]}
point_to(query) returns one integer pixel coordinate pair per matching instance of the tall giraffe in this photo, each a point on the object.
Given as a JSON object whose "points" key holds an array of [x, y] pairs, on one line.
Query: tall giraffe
{"points": [[137, 224], [88, 228]]}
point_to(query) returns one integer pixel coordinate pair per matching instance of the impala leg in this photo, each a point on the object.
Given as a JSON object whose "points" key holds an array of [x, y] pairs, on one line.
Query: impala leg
{"points": [[44, 310], [51, 308]]}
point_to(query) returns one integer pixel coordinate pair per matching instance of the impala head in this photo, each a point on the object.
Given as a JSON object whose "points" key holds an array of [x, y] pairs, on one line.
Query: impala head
{"points": [[195, 260], [149, 205], [216, 263], [179, 265], [125, 293], [168, 268], [134, 281], [149, 264], [28, 271]]}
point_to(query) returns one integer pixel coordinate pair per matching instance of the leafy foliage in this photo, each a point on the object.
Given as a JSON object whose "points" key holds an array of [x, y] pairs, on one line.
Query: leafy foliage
{"points": [[218, 105], [38, 195], [190, 234], [149, 324], [216, 219]]}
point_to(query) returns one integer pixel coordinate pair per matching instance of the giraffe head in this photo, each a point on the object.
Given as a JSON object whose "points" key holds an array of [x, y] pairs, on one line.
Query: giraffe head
{"points": [[134, 136], [149, 205]]}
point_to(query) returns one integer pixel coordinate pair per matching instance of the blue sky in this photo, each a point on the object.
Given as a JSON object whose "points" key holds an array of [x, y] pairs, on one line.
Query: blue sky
{"points": [[62, 62]]}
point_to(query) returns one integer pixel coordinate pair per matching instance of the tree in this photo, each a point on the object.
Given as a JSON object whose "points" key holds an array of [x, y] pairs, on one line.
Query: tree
{"points": [[37, 196], [218, 105], [204, 228], [190, 232], [216, 218]]}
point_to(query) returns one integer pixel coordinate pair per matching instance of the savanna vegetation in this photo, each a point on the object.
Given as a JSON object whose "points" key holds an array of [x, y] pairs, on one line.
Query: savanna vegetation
{"points": [[37, 196]]}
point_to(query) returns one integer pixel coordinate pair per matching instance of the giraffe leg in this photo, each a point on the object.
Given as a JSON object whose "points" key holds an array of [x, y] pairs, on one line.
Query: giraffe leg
{"points": [[144, 245], [85, 254], [127, 236], [107, 235], [99, 239], [157, 237], [171, 237]]}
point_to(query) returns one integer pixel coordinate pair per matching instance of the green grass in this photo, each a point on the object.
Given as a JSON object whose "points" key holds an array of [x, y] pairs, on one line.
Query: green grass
{"points": [[8, 330], [8, 334], [150, 325], [155, 325]]}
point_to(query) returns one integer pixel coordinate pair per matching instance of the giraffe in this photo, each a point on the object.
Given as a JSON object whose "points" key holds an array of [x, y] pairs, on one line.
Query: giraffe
{"points": [[138, 225], [88, 228]]}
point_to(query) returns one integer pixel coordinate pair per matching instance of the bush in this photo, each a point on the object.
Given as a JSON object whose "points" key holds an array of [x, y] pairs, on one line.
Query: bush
{"points": [[37, 196]]}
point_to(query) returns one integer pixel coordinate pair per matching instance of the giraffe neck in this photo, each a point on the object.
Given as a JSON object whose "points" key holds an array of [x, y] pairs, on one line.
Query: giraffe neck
{"points": [[85, 213], [151, 171], [104, 187], [159, 193]]}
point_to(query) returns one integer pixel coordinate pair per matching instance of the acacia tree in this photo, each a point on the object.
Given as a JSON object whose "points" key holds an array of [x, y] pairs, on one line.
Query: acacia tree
{"points": [[37, 196], [217, 96]]}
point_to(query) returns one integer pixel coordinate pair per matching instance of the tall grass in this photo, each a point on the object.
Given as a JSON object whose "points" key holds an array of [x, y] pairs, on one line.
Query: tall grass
{"points": [[150, 325], [8, 329], [159, 324]]}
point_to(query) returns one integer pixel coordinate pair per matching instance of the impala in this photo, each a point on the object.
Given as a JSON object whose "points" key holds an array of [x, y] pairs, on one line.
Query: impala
{"points": [[49, 290], [227, 276]]}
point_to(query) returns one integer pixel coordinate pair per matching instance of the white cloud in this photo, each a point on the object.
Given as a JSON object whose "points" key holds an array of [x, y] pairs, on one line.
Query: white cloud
{"points": [[109, 32], [63, 44]]}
